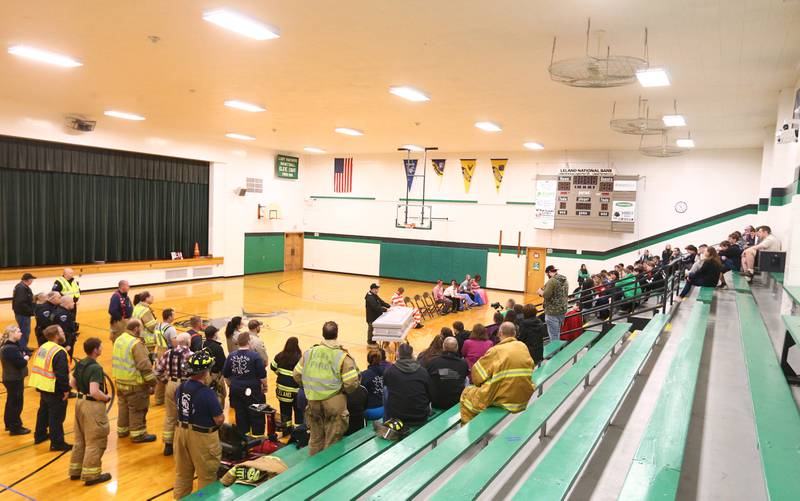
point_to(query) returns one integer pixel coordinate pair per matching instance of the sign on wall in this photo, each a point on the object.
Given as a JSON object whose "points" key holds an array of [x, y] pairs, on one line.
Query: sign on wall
{"points": [[544, 218], [286, 167], [623, 212]]}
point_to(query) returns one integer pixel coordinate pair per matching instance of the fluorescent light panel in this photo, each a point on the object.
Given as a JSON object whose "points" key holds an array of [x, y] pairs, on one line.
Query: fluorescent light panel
{"points": [[673, 120], [241, 105], [348, 131], [242, 137], [241, 24], [685, 143], [653, 77], [312, 149], [409, 93], [44, 56], [488, 126], [532, 145], [123, 115], [412, 147]]}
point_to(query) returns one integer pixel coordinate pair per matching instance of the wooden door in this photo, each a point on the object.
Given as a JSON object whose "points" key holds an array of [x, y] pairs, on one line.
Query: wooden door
{"points": [[293, 257], [534, 276]]}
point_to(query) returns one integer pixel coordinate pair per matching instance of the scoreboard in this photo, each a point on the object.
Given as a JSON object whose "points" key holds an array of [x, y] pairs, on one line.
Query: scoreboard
{"points": [[591, 198]]}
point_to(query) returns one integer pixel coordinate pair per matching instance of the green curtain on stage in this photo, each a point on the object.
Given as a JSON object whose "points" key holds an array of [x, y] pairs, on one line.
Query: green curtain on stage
{"points": [[51, 217]]}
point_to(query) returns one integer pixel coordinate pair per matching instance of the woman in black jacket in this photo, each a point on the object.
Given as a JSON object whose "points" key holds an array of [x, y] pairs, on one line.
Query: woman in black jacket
{"points": [[708, 273], [532, 332], [15, 369]]}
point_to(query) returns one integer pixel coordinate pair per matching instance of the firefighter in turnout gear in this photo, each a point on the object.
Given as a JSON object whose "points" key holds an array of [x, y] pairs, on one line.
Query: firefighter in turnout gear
{"points": [[91, 420], [144, 313], [326, 372], [50, 377], [197, 447], [501, 377], [133, 374], [171, 371], [287, 388]]}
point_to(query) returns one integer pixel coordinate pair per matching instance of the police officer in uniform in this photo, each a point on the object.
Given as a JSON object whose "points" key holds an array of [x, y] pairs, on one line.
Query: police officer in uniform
{"points": [[91, 420], [64, 317], [44, 314], [326, 372], [67, 285], [50, 376], [133, 373], [246, 376], [197, 448]]}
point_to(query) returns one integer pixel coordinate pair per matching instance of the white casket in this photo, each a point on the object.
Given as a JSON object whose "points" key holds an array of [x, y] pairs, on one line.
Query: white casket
{"points": [[393, 325]]}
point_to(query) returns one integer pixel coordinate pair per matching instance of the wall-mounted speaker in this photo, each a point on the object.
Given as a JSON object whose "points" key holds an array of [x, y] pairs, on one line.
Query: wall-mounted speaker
{"points": [[240, 191]]}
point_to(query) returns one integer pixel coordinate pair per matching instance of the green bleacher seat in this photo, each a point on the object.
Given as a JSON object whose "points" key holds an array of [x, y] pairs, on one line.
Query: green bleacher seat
{"points": [[777, 419], [793, 291], [739, 282], [656, 468], [557, 471], [705, 295], [420, 474], [552, 348], [777, 276]]}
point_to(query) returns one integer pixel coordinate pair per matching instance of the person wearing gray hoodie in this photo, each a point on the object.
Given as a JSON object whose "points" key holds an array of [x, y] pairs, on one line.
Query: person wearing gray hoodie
{"points": [[409, 389]]}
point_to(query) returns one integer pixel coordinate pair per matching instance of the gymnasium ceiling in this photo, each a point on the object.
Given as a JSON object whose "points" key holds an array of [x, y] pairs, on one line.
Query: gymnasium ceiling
{"points": [[335, 60]]}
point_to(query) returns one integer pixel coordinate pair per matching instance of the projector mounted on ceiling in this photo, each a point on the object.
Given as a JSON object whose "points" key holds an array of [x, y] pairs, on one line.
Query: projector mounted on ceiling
{"points": [[788, 133], [80, 123]]}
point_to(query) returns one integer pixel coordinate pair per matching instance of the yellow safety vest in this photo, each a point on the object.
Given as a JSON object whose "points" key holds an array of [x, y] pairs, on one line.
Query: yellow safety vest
{"points": [[72, 290], [123, 367], [161, 340], [322, 372], [42, 375], [148, 336]]}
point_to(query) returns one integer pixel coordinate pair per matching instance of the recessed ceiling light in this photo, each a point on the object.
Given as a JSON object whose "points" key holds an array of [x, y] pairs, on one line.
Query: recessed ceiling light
{"points": [[685, 143], [412, 147], [44, 56], [241, 24], [312, 149], [532, 145], [241, 105], [673, 120], [409, 93], [653, 77], [123, 115], [242, 137], [349, 132], [488, 126]]}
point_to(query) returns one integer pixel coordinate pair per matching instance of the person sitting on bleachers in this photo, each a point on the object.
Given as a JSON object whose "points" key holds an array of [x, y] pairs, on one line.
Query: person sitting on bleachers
{"points": [[749, 237], [433, 351], [532, 332], [573, 321], [409, 389], [501, 378], [476, 345], [440, 298], [399, 300], [448, 374], [766, 242], [730, 254], [491, 330], [707, 274], [460, 334], [372, 380]]}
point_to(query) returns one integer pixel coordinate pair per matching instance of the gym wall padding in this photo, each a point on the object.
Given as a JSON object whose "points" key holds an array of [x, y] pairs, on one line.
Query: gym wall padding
{"points": [[429, 263], [263, 253]]}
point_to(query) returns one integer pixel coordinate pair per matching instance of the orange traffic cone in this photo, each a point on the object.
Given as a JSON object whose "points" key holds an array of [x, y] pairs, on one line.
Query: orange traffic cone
{"points": [[196, 249]]}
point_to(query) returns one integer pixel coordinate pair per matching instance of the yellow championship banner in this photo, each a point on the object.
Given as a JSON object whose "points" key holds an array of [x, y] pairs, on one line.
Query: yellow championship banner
{"points": [[467, 169], [498, 169]]}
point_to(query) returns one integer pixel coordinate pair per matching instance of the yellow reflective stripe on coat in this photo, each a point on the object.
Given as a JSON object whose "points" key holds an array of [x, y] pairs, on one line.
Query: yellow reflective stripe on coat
{"points": [[351, 374], [72, 290], [288, 389], [509, 373], [481, 371], [43, 377], [514, 407]]}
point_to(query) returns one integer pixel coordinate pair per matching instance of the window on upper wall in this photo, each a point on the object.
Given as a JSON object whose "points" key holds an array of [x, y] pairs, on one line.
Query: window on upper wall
{"points": [[255, 185]]}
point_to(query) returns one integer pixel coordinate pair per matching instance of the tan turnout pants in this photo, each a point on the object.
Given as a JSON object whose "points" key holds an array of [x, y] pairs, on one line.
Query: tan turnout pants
{"points": [[170, 412], [133, 404], [91, 439], [198, 454], [327, 422]]}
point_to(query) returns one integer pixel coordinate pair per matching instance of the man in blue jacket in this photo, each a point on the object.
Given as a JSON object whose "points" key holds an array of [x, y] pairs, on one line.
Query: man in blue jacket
{"points": [[120, 309]]}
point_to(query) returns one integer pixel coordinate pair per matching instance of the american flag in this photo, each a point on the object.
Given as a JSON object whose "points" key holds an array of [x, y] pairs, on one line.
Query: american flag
{"points": [[342, 175]]}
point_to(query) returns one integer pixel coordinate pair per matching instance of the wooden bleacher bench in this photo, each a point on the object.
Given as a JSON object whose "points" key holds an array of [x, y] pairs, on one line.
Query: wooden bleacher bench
{"points": [[705, 295], [555, 474], [777, 419], [420, 474], [656, 468]]}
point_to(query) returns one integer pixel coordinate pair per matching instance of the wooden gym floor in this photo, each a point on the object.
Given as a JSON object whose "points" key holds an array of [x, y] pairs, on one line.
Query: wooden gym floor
{"points": [[290, 303]]}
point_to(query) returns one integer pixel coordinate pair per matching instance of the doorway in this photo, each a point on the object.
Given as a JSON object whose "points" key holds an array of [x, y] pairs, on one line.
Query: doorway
{"points": [[534, 276], [293, 252]]}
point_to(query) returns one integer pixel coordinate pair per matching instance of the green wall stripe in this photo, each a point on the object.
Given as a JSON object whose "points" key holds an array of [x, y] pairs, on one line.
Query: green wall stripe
{"points": [[520, 203], [315, 197], [781, 201], [439, 200]]}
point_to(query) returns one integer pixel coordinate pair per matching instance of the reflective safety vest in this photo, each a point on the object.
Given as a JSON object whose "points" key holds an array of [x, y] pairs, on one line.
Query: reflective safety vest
{"points": [[123, 367], [148, 336], [161, 339], [72, 290], [322, 372], [42, 375]]}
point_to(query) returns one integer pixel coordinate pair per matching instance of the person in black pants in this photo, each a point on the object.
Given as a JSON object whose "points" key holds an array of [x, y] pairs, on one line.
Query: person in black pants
{"points": [[287, 388], [51, 378], [15, 369], [375, 307], [22, 304], [214, 348], [246, 376]]}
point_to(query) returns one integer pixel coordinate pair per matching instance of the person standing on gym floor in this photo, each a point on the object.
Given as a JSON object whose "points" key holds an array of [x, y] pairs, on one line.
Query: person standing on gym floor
{"points": [[15, 368], [22, 304], [170, 370], [67, 285], [50, 377], [375, 307], [555, 294], [43, 311], [120, 309], [246, 375], [133, 373], [91, 420]]}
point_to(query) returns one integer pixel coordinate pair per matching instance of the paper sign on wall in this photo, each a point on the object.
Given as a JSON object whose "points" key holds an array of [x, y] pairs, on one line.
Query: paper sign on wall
{"points": [[624, 185], [623, 212], [545, 213]]}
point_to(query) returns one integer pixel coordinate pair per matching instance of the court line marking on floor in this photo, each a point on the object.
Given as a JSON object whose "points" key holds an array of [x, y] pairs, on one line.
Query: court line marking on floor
{"points": [[9, 489]]}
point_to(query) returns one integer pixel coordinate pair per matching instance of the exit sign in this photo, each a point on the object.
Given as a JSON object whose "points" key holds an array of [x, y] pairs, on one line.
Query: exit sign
{"points": [[286, 167]]}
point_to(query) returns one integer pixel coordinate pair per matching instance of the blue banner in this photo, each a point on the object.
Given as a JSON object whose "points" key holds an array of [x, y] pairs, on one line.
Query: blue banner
{"points": [[410, 165]]}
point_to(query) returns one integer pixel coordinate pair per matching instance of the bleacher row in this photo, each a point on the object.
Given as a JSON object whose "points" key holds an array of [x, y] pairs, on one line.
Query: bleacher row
{"points": [[355, 466]]}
